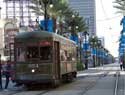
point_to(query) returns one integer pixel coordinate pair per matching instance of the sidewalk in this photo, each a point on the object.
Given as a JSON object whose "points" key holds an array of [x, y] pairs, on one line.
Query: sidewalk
{"points": [[91, 71]]}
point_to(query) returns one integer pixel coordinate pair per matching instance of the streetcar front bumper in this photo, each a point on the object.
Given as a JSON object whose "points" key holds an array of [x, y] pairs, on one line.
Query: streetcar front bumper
{"points": [[40, 78]]}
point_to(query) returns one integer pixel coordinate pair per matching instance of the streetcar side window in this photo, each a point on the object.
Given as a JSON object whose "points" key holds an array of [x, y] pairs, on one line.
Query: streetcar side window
{"points": [[45, 53], [63, 54], [20, 54], [32, 52]]}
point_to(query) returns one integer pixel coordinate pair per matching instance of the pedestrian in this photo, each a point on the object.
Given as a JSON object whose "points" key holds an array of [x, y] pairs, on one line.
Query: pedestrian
{"points": [[0, 73], [7, 73], [121, 65]]}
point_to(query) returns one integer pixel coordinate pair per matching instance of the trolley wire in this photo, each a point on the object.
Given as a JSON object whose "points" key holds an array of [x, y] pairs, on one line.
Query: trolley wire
{"points": [[103, 9], [105, 14]]}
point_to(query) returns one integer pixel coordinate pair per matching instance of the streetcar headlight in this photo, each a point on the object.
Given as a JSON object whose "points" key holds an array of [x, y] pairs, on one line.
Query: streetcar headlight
{"points": [[32, 70]]}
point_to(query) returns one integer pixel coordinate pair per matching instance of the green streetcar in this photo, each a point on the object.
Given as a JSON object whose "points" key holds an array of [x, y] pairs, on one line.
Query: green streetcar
{"points": [[43, 57]]}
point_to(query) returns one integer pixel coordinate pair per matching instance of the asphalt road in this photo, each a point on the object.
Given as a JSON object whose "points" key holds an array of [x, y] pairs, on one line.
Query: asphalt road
{"points": [[94, 81]]}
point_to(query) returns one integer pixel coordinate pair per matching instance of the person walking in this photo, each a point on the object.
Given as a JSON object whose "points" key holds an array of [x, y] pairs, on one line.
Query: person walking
{"points": [[121, 65], [0, 73], [7, 73]]}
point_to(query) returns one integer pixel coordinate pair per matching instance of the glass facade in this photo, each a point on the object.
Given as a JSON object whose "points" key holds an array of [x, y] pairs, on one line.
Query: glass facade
{"points": [[86, 9], [18, 10]]}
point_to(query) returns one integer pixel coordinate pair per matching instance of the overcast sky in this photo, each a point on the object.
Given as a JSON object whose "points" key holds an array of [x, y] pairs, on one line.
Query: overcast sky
{"points": [[108, 24]]}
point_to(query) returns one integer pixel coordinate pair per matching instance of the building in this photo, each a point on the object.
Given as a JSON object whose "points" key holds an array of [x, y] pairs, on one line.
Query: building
{"points": [[8, 29], [18, 10], [14, 14], [86, 9]]}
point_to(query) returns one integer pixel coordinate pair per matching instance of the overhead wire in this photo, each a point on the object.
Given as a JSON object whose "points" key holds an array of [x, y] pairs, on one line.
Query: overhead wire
{"points": [[103, 9], [110, 18], [105, 14]]}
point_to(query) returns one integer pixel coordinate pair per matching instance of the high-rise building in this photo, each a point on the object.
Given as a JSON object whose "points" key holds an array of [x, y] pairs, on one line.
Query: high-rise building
{"points": [[86, 9], [18, 10]]}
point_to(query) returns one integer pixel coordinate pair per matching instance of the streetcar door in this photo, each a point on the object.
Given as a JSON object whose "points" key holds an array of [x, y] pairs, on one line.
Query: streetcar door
{"points": [[57, 59]]}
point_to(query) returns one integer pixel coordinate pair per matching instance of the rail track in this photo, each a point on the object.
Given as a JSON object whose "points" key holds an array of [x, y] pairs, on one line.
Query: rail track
{"points": [[116, 83], [96, 80]]}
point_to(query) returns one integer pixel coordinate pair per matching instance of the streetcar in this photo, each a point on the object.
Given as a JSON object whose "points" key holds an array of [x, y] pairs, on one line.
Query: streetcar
{"points": [[44, 57]]}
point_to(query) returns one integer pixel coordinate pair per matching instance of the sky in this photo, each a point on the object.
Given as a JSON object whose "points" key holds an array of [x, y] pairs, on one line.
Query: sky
{"points": [[108, 24]]}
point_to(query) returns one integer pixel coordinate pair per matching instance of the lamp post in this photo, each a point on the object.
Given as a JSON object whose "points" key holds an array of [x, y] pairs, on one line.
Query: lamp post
{"points": [[72, 25], [45, 3], [73, 28], [103, 49], [86, 55], [93, 46], [80, 48], [101, 56], [0, 12], [99, 48]]}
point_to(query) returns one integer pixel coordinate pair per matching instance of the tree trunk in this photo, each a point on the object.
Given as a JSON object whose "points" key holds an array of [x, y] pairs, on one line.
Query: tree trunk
{"points": [[54, 24]]}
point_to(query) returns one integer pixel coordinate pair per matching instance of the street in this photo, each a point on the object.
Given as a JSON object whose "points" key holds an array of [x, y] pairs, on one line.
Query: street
{"points": [[66, 47], [94, 81]]}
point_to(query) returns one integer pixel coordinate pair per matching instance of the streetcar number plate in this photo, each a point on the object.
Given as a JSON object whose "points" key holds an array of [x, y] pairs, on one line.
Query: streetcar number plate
{"points": [[31, 65]]}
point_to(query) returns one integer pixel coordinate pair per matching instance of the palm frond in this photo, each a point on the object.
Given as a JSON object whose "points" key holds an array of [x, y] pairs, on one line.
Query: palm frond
{"points": [[120, 5]]}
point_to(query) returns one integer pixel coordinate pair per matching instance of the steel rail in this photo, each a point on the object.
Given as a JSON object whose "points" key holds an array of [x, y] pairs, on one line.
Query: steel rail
{"points": [[116, 83]]}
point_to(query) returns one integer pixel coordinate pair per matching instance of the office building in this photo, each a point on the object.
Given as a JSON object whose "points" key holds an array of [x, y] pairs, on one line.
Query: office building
{"points": [[17, 10], [86, 9]]}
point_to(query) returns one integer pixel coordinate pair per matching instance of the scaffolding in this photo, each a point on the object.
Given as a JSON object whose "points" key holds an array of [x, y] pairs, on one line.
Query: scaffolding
{"points": [[18, 10], [15, 12]]}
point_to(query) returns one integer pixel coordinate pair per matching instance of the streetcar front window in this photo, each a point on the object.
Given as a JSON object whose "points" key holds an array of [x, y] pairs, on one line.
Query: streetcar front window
{"points": [[32, 52], [45, 53]]}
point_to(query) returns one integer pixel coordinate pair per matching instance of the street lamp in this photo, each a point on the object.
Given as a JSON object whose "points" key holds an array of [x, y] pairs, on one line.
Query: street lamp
{"points": [[103, 50], [0, 12], [72, 23], [86, 55], [93, 46], [99, 48], [45, 3], [73, 28]]}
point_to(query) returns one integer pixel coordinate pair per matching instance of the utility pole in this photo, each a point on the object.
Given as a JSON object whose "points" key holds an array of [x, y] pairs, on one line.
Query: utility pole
{"points": [[86, 54]]}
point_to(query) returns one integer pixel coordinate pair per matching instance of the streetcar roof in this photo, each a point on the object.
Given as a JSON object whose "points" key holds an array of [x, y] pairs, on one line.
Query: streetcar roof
{"points": [[39, 34], [35, 34]]}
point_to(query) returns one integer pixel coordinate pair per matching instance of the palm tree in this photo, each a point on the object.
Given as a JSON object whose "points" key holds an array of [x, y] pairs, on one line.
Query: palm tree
{"points": [[75, 23], [57, 11], [120, 5], [93, 43], [62, 12]]}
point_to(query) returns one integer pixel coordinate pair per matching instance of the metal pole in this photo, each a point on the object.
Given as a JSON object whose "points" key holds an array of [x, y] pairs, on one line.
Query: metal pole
{"points": [[45, 16], [86, 63], [0, 12], [94, 57], [80, 52]]}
